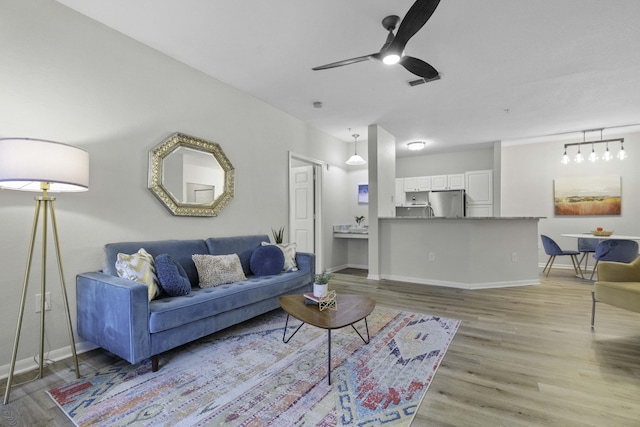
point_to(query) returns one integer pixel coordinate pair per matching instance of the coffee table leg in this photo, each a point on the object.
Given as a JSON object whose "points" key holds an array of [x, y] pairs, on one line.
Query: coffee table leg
{"points": [[284, 334], [329, 355], [360, 335]]}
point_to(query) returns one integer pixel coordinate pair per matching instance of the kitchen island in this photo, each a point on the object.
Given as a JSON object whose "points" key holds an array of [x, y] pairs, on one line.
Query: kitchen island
{"points": [[467, 252]]}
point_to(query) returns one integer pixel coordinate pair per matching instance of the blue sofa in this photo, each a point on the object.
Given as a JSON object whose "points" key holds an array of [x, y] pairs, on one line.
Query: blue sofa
{"points": [[115, 313]]}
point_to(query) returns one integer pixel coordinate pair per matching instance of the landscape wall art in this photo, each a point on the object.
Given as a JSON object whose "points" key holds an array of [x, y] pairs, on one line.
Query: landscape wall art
{"points": [[587, 195]]}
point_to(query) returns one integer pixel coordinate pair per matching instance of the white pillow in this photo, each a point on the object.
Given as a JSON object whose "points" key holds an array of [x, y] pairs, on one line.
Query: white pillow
{"points": [[214, 270], [289, 251], [139, 267]]}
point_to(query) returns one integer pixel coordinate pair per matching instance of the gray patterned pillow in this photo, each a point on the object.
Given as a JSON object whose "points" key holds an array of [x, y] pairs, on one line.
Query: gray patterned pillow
{"points": [[214, 270], [139, 267]]}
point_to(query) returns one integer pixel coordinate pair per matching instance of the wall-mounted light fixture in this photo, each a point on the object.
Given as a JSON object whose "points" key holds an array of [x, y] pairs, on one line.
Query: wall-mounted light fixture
{"points": [[416, 145], [593, 156]]}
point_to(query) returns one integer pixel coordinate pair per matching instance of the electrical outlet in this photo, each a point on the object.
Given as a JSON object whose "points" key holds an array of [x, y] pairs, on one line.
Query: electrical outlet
{"points": [[432, 256], [47, 302], [514, 256]]}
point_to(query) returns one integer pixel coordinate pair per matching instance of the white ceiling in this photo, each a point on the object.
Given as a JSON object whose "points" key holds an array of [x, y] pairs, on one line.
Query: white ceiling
{"points": [[511, 69]]}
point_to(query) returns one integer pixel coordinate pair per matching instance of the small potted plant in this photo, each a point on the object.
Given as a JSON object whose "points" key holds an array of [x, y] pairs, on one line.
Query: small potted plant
{"points": [[321, 284], [278, 235], [359, 220]]}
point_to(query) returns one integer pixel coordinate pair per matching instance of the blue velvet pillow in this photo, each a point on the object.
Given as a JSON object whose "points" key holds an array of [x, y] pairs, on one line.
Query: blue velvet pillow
{"points": [[266, 260], [172, 277]]}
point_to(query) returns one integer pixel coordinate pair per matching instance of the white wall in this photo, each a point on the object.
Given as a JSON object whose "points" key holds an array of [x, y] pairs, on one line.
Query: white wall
{"points": [[528, 172], [445, 163], [67, 78]]}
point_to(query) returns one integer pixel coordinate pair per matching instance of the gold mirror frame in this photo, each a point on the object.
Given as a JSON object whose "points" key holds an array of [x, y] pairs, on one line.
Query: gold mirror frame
{"points": [[156, 172]]}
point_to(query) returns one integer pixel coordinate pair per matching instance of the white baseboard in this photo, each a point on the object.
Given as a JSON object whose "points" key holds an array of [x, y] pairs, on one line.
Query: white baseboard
{"points": [[26, 365], [460, 285]]}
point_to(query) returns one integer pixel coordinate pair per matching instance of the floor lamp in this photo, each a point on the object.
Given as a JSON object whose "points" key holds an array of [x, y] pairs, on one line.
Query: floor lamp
{"points": [[46, 166]]}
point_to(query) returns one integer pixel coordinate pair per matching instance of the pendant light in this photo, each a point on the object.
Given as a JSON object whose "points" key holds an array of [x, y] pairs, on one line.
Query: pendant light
{"points": [[607, 154], [356, 159], [622, 154], [593, 156]]}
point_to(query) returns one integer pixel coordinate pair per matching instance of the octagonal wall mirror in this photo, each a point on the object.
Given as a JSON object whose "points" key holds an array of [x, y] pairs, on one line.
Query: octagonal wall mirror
{"points": [[190, 176]]}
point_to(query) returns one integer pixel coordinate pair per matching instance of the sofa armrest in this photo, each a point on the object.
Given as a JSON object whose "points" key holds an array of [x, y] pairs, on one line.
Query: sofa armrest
{"points": [[306, 262], [609, 271], [114, 313]]}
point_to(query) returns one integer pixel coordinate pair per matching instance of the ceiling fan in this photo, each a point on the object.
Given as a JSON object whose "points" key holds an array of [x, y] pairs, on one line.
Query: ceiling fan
{"points": [[392, 51]]}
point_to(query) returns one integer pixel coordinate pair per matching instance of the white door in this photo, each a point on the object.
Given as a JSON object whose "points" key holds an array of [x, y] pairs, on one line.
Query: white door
{"points": [[302, 212]]}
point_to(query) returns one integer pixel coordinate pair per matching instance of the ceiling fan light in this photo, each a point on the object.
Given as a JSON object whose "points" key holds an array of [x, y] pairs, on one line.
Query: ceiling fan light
{"points": [[416, 145], [390, 59]]}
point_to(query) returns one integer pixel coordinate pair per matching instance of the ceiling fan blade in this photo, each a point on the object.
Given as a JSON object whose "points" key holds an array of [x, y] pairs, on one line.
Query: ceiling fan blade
{"points": [[414, 20], [419, 67], [346, 62]]}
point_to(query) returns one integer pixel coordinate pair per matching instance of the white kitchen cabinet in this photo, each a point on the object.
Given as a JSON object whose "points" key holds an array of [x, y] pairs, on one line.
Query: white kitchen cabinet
{"points": [[400, 195], [455, 181], [448, 182], [417, 183], [479, 187], [479, 211]]}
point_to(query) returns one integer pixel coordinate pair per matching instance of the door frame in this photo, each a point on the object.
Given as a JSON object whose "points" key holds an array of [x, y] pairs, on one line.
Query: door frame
{"points": [[317, 202]]}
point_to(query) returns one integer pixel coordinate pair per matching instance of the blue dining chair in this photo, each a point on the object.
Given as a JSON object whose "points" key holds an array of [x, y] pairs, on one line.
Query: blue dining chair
{"points": [[586, 246], [552, 249], [615, 250]]}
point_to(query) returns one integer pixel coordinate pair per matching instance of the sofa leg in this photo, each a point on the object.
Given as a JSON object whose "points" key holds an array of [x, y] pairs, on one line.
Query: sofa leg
{"points": [[155, 362]]}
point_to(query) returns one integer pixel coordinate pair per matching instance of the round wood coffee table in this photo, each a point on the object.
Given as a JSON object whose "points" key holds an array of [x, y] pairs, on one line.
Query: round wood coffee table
{"points": [[351, 309]]}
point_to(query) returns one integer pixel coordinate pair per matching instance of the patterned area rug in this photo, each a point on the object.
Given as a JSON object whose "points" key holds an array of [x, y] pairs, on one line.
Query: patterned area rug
{"points": [[246, 376]]}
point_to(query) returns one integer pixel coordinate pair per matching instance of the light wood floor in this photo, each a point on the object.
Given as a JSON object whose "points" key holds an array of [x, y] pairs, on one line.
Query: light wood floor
{"points": [[523, 356]]}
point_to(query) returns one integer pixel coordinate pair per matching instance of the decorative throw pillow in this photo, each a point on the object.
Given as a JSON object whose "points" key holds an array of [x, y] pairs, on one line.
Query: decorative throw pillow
{"points": [[139, 267], [214, 270], [172, 277], [289, 251], [266, 260]]}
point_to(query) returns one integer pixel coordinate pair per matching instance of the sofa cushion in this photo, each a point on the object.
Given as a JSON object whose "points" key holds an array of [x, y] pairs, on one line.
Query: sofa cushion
{"points": [[139, 267], [171, 276], [179, 250], [215, 270], [266, 261], [171, 312], [243, 246], [289, 252]]}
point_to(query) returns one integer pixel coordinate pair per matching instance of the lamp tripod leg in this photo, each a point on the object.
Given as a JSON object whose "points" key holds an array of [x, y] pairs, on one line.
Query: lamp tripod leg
{"points": [[64, 289], [23, 300]]}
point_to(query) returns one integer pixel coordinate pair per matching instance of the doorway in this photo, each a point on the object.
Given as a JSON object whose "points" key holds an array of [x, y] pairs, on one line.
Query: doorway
{"points": [[305, 201]]}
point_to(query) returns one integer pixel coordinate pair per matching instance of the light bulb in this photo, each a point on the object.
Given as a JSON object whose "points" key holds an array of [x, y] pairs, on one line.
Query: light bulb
{"points": [[607, 154], [622, 154], [565, 158], [391, 59], [579, 158], [593, 156]]}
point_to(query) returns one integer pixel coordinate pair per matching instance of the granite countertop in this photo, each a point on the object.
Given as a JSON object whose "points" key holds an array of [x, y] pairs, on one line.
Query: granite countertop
{"points": [[466, 218]]}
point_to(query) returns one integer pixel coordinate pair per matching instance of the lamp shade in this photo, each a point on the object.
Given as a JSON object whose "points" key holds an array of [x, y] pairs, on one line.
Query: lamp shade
{"points": [[356, 160], [26, 163]]}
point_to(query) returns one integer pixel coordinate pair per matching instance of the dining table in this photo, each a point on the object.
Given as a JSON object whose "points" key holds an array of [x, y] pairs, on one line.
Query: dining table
{"points": [[592, 236]]}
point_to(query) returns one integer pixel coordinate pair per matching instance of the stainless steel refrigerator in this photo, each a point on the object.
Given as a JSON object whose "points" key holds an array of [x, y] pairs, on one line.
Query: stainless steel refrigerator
{"points": [[447, 203]]}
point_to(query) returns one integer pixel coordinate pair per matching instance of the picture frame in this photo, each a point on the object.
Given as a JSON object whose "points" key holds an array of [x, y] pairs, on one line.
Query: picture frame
{"points": [[587, 195], [363, 194]]}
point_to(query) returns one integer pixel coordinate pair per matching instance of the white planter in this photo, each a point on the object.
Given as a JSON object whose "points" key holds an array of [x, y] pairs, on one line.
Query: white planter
{"points": [[320, 290]]}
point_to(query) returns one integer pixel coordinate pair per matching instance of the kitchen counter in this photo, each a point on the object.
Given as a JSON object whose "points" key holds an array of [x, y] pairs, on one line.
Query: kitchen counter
{"points": [[470, 253], [465, 218]]}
